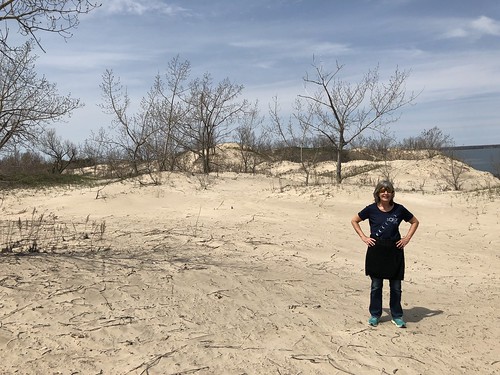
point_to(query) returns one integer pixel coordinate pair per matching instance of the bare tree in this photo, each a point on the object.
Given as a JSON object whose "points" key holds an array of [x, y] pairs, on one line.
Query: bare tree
{"points": [[149, 138], [26, 161], [173, 117], [433, 141], [34, 16], [453, 174], [377, 146], [250, 144], [343, 111], [27, 102], [62, 153], [212, 109], [132, 130], [167, 103], [297, 134], [93, 149]]}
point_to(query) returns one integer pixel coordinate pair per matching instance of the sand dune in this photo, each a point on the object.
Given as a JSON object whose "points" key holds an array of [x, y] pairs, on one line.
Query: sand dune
{"points": [[246, 274]]}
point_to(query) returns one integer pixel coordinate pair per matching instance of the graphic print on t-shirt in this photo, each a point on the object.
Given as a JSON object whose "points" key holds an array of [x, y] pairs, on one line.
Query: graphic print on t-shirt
{"points": [[390, 220]]}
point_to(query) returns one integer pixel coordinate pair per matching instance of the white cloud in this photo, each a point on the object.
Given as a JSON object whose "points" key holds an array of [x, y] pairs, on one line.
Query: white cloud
{"points": [[327, 48], [296, 48], [256, 43], [140, 7], [456, 33], [456, 76], [76, 61], [486, 25], [475, 28]]}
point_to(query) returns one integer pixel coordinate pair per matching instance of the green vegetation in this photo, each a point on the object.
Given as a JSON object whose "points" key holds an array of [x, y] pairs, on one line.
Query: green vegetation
{"points": [[42, 180]]}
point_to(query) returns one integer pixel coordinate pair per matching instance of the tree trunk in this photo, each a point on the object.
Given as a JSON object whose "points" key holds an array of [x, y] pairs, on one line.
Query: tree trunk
{"points": [[338, 175]]}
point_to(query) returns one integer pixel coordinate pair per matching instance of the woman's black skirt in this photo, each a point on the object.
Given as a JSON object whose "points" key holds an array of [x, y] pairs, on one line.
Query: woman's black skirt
{"points": [[385, 261]]}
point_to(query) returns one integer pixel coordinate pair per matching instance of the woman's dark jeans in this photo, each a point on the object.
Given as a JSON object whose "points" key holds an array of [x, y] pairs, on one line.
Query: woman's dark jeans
{"points": [[394, 301]]}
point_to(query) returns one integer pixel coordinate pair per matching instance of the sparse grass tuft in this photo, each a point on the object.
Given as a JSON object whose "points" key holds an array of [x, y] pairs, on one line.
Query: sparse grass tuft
{"points": [[47, 233]]}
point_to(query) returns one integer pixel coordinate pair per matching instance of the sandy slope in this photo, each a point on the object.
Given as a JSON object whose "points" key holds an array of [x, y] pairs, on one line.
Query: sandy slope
{"points": [[252, 275]]}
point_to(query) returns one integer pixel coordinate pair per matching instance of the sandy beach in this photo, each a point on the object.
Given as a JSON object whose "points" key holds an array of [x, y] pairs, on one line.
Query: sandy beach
{"points": [[246, 274]]}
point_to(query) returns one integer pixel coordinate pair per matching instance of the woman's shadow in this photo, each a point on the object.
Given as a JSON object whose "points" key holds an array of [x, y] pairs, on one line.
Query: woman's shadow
{"points": [[417, 313]]}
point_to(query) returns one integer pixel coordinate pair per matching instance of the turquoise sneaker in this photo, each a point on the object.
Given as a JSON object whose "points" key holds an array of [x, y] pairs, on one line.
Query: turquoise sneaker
{"points": [[400, 323], [373, 321]]}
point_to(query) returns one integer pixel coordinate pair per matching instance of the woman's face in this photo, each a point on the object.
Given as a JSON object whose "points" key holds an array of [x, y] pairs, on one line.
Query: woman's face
{"points": [[385, 195]]}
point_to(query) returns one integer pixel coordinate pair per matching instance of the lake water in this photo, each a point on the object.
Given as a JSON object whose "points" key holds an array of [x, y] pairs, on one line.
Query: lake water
{"points": [[484, 158]]}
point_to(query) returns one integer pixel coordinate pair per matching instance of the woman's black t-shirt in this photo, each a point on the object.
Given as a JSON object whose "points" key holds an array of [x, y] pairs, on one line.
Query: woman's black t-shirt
{"points": [[385, 225]]}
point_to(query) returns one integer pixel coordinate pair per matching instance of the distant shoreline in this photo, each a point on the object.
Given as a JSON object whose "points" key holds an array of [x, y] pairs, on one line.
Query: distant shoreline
{"points": [[477, 147], [482, 157]]}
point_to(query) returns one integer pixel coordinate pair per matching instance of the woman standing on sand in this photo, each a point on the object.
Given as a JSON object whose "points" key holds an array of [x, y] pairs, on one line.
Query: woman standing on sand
{"points": [[385, 253]]}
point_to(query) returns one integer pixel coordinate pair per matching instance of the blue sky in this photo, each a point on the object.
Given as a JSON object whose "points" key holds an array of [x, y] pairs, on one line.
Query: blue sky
{"points": [[451, 47]]}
